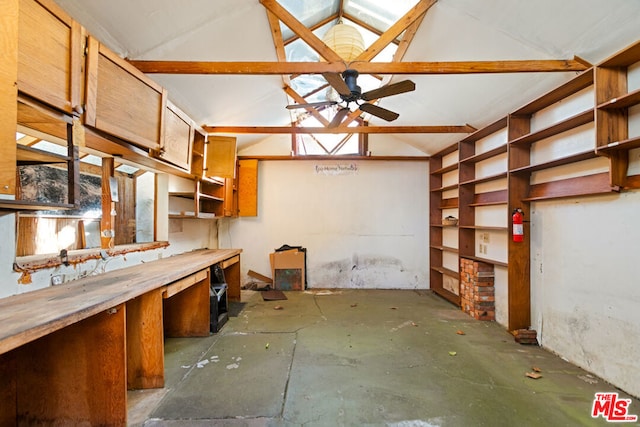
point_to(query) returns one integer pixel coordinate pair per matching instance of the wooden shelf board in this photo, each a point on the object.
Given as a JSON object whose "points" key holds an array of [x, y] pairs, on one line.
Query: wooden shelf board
{"points": [[451, 203], [486, 155], [448, 150], [449, 296], [485, 179], [557, 128], [583, 80], [489, 198], [589, 185], [627, 100], [182, 216], [626, 144], [210, 197], [33, 205], [623, 58], [445, 249], [445, 188], [443, 226], [185, 194], [445, 169], [486, 131], [447, 272], [578, 157], [484, 227], [485, 260]]}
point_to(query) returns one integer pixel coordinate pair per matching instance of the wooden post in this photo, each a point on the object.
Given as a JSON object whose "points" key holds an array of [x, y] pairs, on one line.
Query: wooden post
{"points": [[145, 342], [8, 95], [107, 222]]}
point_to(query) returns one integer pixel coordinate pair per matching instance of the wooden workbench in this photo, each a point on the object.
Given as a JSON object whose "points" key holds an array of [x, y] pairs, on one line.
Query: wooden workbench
{"points": [[68, 353]]}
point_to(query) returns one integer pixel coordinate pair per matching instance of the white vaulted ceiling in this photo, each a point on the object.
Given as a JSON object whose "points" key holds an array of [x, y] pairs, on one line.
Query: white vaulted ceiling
{"points": [[452, 30]]}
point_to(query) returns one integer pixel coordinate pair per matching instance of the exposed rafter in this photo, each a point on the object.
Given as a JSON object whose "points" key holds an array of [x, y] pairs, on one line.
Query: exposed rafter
{"points": [[283, 68], [337, 130]]}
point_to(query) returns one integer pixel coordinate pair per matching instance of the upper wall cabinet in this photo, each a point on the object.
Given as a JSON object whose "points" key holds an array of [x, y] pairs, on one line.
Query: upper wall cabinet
{"points": [[121, 100], [179, 132], [50, 55], [220, 157]]}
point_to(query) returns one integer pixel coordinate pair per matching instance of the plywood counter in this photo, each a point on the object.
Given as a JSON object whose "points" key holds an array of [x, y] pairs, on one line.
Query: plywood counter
{"points": [[68, 353]]}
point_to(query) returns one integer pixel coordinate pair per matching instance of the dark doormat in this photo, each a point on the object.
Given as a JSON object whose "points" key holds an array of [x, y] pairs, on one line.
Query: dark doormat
{"points": [[273, 295]]}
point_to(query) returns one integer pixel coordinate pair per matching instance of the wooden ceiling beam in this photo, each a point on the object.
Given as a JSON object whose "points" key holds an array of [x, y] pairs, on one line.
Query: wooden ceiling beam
{"points": [[445, 67], [337, 130]]}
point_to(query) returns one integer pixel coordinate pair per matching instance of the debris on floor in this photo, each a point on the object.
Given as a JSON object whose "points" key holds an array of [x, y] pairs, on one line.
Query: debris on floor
{"points": [[533, 375], [526, 336]]}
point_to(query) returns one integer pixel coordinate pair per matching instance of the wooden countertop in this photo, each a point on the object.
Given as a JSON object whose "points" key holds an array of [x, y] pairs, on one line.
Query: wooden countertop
{"points": [[29, 316]]}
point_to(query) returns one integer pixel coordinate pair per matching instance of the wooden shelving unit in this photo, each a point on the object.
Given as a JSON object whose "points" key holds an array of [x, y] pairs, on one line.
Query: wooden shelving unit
{"points": [[440, 275], [613, 100]]}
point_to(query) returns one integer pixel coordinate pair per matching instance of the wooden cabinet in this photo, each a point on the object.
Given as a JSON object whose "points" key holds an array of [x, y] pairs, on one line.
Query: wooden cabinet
{"points": [[196, 198], [179, 131], [121, 100], [220, 157], [50, 55], [247, 188]]}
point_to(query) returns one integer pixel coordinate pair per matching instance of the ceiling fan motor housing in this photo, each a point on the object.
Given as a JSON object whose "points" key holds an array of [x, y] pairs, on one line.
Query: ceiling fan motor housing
{"points": [[350, 78]]}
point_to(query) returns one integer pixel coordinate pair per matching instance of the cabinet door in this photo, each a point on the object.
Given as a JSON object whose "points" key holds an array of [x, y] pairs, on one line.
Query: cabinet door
{"points": [[50, 55], [8, 97], [220, 157], [178, 137], [121, 100], [248, 187]]}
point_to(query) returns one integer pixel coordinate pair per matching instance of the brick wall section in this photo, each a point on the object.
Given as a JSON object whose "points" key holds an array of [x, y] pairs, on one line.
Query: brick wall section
{"points": [[477, 292]]}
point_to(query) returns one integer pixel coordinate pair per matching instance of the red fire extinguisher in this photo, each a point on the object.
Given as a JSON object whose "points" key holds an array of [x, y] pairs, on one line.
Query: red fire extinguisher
{"points": [[518, 227]]}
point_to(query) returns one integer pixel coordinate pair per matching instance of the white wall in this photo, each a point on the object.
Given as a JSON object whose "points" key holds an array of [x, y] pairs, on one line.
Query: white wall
{"points": [[585, 286], [365, 227]]}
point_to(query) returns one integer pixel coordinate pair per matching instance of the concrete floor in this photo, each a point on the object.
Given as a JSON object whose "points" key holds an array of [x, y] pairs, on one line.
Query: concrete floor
{"points": [[364, 358]]}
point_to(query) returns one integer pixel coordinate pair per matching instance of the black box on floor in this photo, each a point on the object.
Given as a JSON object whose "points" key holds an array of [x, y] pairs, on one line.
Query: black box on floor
{"points": [[218, 305]]}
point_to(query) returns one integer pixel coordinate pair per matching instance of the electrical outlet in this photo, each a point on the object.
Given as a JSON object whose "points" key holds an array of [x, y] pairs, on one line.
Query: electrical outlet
{"points": [[57, 279]]}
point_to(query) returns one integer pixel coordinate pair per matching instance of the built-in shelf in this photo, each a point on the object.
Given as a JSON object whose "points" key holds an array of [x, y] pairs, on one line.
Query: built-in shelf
{"points": [[451, 203], [490, 198], [444, 226], [445, 169], [589, 185], [495, 177], [485, 155], [210, 197], [446, 272], [33, 205], [483, 227], [577, 157], [582, 81], [445, 249], [623, 101], [485, 260], [555, 129], [445, 188], [627, 144]]}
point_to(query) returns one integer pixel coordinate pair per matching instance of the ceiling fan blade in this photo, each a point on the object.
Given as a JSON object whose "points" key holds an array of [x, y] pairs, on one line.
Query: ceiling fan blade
{"points": [[383, 113], [311, 105], [388, 90], [337, 119], [336, 81]]}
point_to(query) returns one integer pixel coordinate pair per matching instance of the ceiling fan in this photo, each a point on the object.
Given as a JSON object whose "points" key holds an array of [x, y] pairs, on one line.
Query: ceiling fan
{"points": [[349, 91]]}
